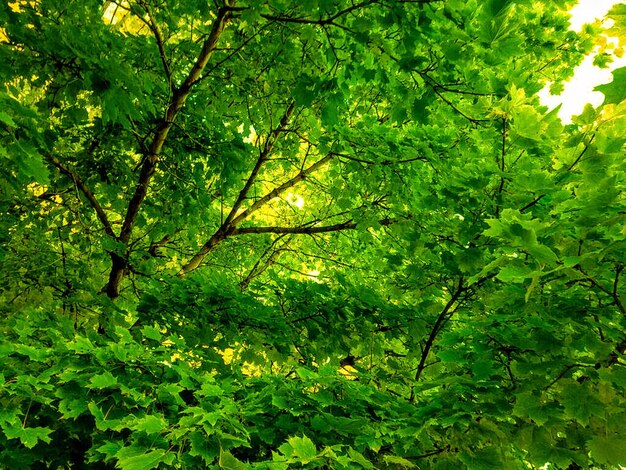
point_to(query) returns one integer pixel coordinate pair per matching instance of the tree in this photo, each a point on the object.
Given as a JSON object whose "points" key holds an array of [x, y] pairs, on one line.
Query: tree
{"points": [[307, 235]]}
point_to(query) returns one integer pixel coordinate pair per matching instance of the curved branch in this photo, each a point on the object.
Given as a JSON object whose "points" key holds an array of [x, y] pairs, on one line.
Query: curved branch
{"points": [[154, 27]]}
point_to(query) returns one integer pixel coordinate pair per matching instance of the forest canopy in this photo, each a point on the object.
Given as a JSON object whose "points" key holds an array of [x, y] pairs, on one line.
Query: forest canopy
{"points": [[308, 234]]}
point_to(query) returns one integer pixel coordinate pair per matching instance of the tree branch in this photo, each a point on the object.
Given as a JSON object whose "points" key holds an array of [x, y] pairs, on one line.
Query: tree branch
{"points": [[150, 160], [308, 230], [610, 292], [268, 257], [232, 217], [532, 203], [80, 184], [562, 374], [230, 231], [322, 21], [580, 156], [441, 319], [154, 27], [228, 225], [282, 188], [502, 167]]}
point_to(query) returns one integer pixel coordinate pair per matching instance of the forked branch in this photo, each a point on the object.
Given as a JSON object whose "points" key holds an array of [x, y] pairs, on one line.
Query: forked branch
{"points": [[150, 160], [80, 184]]}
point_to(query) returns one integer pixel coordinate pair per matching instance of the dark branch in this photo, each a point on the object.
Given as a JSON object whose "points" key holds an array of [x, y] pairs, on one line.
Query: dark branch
{"points": [[227, 227], [265, 153], [151, 158], [308, 230], [441, 319], [154, 27], [532, 203], [80, 184], [280, 189], [581, 153], [322, 21], [502, 167], [268, 257], [562, 374]]}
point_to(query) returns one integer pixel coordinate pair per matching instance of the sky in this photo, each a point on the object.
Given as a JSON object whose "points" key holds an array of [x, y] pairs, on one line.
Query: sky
{"points": [[579, 89]]}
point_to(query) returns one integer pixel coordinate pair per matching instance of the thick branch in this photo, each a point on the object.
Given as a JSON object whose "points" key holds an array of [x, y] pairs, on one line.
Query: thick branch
{"points": [[80, 184], [150, 160], [348, 225], [178, 101], [225, 232], [383, 162]]}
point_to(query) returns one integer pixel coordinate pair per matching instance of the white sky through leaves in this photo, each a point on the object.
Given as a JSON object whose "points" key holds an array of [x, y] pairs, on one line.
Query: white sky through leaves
{"points": [[579, 89]]}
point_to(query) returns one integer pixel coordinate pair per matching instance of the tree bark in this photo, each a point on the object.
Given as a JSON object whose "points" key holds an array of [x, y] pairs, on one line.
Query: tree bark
{"points": [[148, 167]]}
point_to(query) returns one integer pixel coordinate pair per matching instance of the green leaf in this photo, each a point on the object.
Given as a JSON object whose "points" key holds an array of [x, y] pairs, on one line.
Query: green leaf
{"points": [[150, 424], [104, 380], [102, 424], [527, 123], [135, 458], [30, 162], [398, 462], [359, 458], [203, 446], [6, 119], [542, 253], [608, 450], [109, 449], [512, 273], [228, 462], [81, 345], [72, 407], [614, 92], [588, 116], [28, 436], [151, 332], [33, 353], [301, 448], [529, 406]]}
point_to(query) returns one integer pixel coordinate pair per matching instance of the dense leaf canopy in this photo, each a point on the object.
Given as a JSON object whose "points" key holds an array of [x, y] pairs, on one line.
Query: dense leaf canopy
{"points": [[307, 234]]}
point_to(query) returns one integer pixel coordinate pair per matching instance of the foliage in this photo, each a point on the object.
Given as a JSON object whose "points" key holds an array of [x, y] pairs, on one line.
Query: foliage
{"points": [[288, 234]]}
